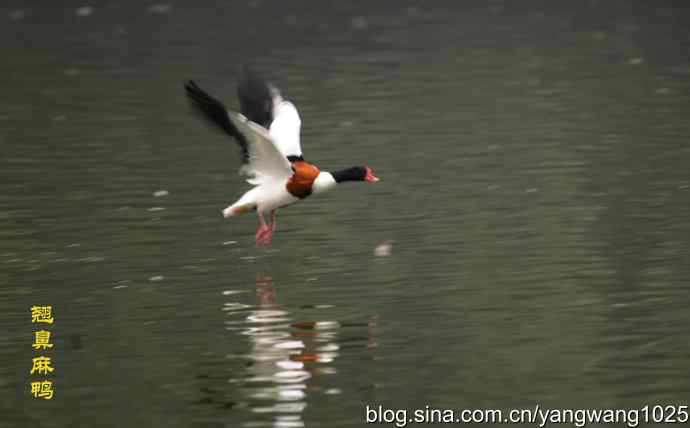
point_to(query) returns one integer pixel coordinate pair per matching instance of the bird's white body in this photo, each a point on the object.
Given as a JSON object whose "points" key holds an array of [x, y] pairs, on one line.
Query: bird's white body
{"points": [[263, 198], [273, 194]]}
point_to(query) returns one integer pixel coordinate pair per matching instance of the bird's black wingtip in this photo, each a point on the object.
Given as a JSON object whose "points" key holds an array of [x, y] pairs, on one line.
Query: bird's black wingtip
{"points": [[214, 111], [189, 84]]}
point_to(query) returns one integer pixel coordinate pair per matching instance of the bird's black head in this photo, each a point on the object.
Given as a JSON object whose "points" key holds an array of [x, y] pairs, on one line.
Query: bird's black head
{"points": [[356, 173]]}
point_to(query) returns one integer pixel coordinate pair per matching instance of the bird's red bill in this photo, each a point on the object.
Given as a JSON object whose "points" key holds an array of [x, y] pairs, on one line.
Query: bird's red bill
{"points": [[370, 176]]}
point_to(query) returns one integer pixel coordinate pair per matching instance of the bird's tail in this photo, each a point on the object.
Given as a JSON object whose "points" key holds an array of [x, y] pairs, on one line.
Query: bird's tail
{"points": [[237, 209]]}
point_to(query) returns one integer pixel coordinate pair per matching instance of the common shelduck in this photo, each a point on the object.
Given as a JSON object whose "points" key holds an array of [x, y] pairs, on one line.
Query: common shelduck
{"points": [[268, 132]]}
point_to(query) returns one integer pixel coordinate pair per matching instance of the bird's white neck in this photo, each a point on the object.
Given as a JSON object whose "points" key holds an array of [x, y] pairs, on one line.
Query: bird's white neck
{"points": [[323, 182]]}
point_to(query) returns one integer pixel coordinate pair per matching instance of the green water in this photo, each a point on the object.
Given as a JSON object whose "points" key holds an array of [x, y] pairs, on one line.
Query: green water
{"points": [[533, 209]]}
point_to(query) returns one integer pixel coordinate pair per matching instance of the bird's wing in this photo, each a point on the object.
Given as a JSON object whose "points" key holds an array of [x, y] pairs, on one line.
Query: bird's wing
{"points": [[265, 160], [260, 156], [262, 103], [256, 97], [215, 113], [285, 128]]}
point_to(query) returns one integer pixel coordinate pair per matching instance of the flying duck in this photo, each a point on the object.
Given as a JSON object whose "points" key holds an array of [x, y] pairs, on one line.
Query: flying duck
{"points": [[268, 133]]}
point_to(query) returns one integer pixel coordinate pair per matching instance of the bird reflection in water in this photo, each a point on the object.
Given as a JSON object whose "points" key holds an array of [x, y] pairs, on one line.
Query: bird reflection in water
{"points": [[285, 357]]}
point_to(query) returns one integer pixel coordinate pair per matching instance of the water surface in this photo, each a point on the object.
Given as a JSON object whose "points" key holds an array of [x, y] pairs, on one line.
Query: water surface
{"points": [[534, 197]]}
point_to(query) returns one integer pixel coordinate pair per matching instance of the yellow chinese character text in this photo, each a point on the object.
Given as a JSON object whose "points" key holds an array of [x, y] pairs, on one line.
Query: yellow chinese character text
{"points": [[41, 365], [42, 314], [42, 389], [42, 340]]}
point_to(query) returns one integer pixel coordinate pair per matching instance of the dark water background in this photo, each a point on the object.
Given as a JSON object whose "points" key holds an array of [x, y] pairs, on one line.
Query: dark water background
{"points": [[535, 200]]}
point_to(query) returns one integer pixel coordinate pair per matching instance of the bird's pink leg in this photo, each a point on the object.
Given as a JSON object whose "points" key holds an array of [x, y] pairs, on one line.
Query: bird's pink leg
{"points": [[267, 235], [273, 224], [264, 235], [261, 233]]}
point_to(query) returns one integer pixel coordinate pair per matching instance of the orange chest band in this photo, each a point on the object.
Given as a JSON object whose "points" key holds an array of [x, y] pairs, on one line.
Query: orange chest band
{"points": [[300, 183]]}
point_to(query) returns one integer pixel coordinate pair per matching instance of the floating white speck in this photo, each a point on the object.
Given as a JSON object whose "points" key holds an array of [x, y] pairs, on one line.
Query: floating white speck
{"points": [[636, 61], [229, 242], [332, 391], [84, 11], [160, 193], [531, 190], [160, 8], [157, 278], [154, 209], [384, 249]]}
